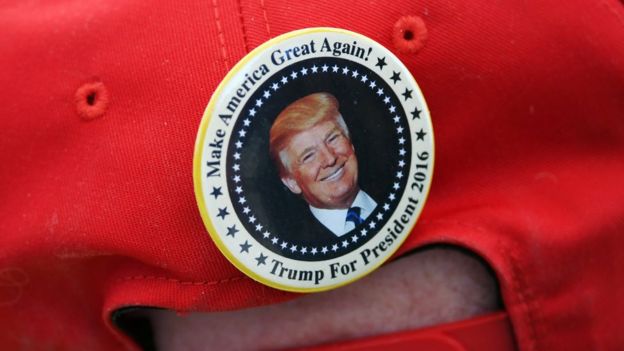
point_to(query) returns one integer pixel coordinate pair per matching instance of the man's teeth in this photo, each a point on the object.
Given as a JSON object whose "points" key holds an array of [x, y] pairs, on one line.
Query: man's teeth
{"points": [[335, 175]]}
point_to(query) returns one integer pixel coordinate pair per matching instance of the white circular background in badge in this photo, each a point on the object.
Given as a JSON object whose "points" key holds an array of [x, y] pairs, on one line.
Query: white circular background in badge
{"points": [[217, 141]]}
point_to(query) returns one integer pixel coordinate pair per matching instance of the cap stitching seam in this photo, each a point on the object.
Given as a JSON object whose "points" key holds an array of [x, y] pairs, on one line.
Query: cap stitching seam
{"points": [[524, 296], [266, 18], [242, 22], [220, 35], [182, 282]]}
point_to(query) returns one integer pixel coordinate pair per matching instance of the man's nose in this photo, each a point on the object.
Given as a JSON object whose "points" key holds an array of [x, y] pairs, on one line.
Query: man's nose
{"points": [[328, 156]]}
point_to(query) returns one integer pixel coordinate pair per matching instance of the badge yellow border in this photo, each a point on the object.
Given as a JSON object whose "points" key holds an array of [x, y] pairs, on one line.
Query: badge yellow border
{"points": [[197, 160]]}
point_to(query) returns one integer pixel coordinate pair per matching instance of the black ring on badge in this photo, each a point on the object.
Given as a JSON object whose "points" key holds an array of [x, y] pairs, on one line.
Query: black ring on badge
{"points": [[268, 210]]}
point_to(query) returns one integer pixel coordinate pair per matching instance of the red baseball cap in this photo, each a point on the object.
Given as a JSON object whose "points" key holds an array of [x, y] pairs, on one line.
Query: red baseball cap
{"points": [[100, 111]]}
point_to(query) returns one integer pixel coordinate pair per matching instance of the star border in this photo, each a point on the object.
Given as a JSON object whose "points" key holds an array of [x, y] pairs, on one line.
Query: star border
{"points": [[282, 80]]}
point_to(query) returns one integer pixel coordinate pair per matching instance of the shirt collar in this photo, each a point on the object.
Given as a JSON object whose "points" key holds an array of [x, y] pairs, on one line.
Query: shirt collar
{"points": [[334, 219]]}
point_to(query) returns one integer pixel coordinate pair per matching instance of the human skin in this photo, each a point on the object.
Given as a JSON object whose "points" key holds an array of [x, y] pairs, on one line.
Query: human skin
{"points": [[322, 166], [430, 287]]}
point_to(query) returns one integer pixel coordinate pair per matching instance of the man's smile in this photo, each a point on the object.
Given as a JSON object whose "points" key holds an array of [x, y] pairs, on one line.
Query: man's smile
{"points": [[336, 174]]}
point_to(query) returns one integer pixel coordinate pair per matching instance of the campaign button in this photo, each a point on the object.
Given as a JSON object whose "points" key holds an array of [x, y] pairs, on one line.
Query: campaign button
{"points": [[313, 159]]}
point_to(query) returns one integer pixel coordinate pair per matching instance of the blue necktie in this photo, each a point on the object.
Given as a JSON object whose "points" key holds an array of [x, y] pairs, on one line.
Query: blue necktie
{"points": [[353, 215]]}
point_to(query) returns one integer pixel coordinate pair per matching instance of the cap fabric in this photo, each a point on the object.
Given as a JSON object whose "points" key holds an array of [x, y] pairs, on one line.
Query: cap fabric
{"points": [[100, 105]]}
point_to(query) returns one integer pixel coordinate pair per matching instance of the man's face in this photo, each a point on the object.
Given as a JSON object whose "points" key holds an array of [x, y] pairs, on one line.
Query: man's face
{"points": [[322, 166]]}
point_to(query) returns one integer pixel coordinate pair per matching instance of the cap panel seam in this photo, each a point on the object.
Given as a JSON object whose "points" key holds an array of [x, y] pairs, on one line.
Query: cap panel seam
{"points": [[616, 11]]}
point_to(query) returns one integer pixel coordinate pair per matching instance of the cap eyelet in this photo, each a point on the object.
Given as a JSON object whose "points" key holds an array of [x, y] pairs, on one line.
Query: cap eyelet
{"points": [[91, 100], [409, 34]]}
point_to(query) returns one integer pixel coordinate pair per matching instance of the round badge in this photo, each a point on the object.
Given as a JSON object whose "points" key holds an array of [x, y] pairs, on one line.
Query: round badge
{"points": [[313, 159]]}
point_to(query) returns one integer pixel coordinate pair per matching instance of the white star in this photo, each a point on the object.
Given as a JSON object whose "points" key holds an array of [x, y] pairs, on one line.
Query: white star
{"points": [[363, 232], [372, 224], [392, 109], [324, 250], [266, 234], [252, 219], [402, 152], [345, 70], [334, 68], [379, 216], [354, 238], [274, 240], [238, 144], [354, 74], [395, 186], [239, 189], [246, 122], [237, 156], [304, 71], [314, 69], [252, 112], [401, 163], [386, 207], [246, 210], [293, 75], [345, 243], [391, 196], [242, 200], [236, 178], [284, 245], [259, 102], [304, 250], [386, 99], [242, 133], [284, 80], [399, 129], [396, 119], [372, 84], [364, 79], [401, 140], [334, 248], [324, 68], [293, 248], [275, 86], [399, 175], [266, 94], [313, 251], [380, 91]]}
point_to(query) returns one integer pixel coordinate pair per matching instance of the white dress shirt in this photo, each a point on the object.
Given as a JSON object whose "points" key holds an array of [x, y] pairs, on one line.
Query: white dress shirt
{"points": [[336, 220]]}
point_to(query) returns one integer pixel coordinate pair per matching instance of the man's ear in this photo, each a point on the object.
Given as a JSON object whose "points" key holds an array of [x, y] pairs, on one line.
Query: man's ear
{"points": [[291, 184]]}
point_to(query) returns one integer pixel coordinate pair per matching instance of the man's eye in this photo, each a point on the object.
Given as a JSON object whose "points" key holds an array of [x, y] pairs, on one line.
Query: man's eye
{"points": [[307, 157], [332, 138]]}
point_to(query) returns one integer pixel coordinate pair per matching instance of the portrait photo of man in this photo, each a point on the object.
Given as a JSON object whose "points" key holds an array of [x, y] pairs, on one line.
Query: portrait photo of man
{"points": [[311, 147]]}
